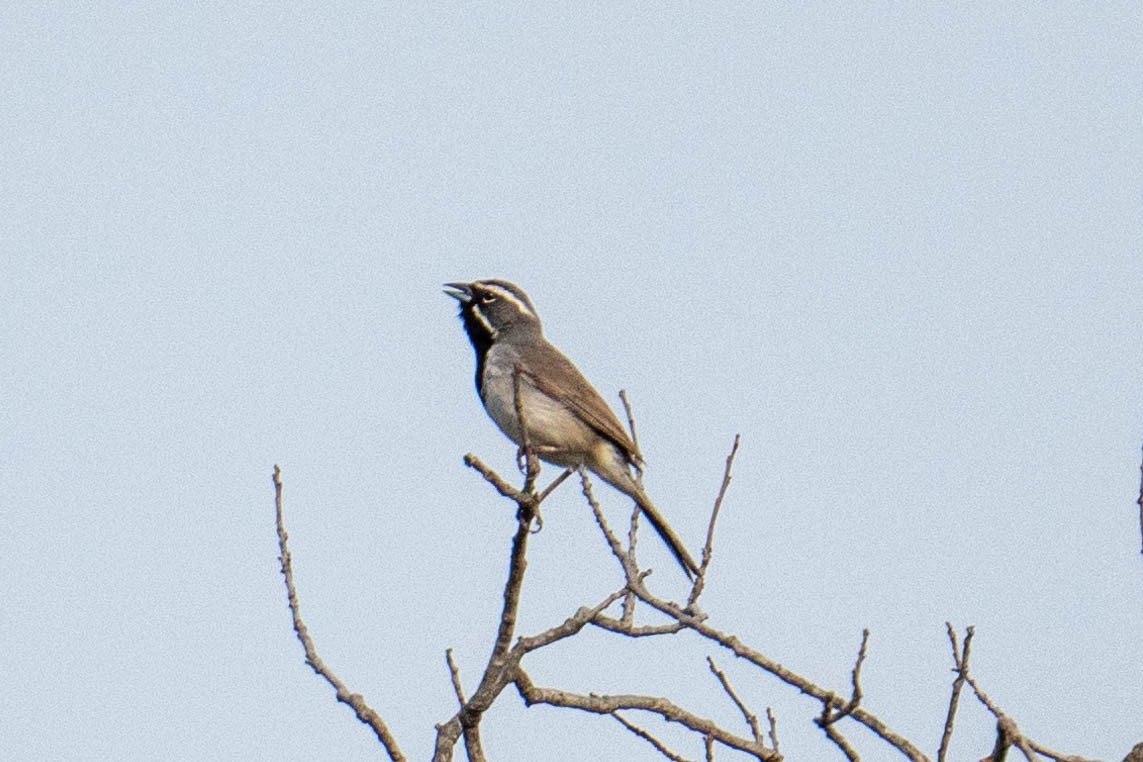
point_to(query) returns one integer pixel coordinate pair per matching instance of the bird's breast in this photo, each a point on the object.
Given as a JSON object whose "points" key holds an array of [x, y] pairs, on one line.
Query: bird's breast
{"points": [[557, 435]]}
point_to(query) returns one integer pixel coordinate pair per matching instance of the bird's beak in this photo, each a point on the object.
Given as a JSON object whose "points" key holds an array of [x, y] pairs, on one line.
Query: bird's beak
{"points": [[462, 292]]}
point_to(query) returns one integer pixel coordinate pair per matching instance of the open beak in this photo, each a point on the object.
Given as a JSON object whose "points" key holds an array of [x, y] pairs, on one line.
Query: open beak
{"points": [[462, 292]]}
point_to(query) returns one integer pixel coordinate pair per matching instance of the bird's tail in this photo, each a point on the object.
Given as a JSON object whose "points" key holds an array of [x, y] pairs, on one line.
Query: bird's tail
{"points": [[674, 543]]}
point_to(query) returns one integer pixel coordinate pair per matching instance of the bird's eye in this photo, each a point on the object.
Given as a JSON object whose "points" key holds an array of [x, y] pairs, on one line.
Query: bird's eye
{"points": [[487, 298]]}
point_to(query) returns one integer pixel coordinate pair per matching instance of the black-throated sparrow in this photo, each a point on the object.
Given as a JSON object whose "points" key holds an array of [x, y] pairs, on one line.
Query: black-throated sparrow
{"points": [[568, 423]]}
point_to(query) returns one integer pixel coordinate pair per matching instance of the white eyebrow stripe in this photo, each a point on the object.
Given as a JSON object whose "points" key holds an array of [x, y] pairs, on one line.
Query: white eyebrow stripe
{"points": [[508, 296]]}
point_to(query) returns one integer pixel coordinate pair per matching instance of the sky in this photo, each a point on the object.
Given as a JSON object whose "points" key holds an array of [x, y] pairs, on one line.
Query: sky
{"points": [[896, 247]]}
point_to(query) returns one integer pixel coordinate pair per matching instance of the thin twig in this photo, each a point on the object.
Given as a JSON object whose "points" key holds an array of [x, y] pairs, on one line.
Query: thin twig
{"points": [[493, 478], [631, 427], [497, 674], [364, 712], [566, 629], [605, 704], [773, 730], [633, 535], [531, 462], [960, 661], [555, 483], [1007, 731], [750, 717], [473, 745], [630, 629], [612, 541], [698, 624], [830, 713], [646, 736], [1140, 503], [632, 554], [833, 734], [857, 695], [454, 672], [708, 546]]}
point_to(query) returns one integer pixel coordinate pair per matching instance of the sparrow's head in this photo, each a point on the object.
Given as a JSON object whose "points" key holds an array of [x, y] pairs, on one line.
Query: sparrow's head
{"points": [[490, 308]]}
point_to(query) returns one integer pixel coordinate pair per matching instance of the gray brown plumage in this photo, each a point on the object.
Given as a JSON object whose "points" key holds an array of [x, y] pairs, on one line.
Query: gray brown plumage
{"points": [[568, 422]]}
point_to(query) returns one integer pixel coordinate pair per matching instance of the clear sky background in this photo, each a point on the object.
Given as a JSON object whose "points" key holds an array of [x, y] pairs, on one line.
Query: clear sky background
{"points": [[896, 247]]}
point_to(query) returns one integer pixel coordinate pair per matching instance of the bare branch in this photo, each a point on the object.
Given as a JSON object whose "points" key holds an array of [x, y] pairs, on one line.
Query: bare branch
{"points": [[646, 736], [1057, 756], [1007, 736], [833, 734], [498, 673], [1007, 732], [750, 717], [773, 730], [505, 665], [490, 476], [602, 704], [631, 630], [567, 628], [631, 424], [831, 713], [632, 556], [356, 701], [518, 564], [1140, 503], [738, 648], [555, 483], [622, 556], [531, 462], [708, 547], [454, 672], [960, 660]]}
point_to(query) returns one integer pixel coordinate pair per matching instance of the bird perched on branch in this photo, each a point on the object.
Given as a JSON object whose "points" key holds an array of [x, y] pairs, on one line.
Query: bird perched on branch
{"points": [[568, 423]]}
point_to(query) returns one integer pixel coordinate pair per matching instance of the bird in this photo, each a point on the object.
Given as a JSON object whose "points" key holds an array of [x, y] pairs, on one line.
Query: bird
{"points": [[568, 423]]}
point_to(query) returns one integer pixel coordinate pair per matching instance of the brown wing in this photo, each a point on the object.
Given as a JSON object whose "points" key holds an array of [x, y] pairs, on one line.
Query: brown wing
{"points": [[562, 381]]}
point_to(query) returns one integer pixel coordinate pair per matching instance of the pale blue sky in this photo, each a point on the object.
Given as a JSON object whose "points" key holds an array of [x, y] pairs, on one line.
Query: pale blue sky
{"points": [[897, 247]]}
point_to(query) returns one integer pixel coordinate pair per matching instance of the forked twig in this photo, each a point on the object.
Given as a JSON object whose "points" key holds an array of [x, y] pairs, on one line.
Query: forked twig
{"points": [[960, 662], [708, 546]]}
